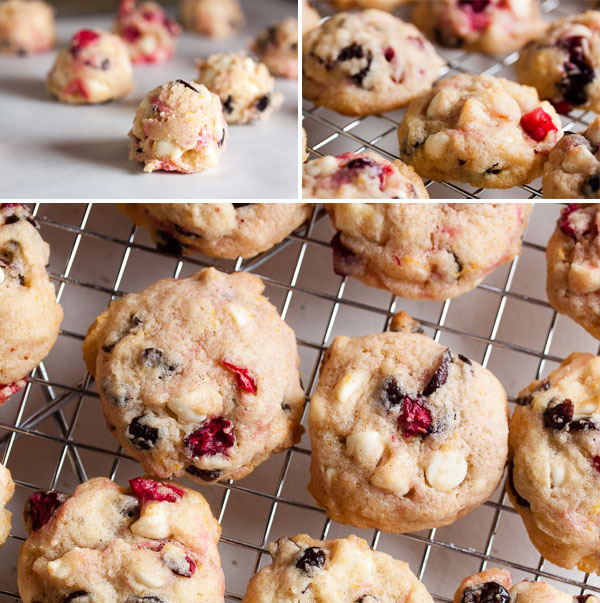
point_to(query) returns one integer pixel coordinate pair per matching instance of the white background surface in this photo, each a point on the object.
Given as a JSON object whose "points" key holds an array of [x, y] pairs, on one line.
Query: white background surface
{"points": [[52, 150]]}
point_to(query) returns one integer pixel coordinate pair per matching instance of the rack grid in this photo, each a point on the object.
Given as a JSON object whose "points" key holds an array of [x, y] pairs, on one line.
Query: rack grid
{"points": [[50, 440], [330, 133]]}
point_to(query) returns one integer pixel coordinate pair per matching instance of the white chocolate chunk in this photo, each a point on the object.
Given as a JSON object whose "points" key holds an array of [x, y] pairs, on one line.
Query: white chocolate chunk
{"points": [[239, 314], [196, 405], [153, 523], [165, 148], [584, 278], [593, 132], [473, 116], [579, 159], [1, 275], [394, 476], [349, 386], [59, 569], [520, 8], [96, 88], [365, 446], [446, 470], [557, 473], [148, 575], [437, 145], [148, 44]]}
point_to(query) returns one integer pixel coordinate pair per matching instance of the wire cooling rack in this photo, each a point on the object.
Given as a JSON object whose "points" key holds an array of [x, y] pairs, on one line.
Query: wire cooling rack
{"points": [[52, 433], [330, 133]]}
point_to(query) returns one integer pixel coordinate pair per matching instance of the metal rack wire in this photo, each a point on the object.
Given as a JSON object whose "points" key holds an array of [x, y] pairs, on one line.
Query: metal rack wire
{"points": [[330, 133], [43, 428]]}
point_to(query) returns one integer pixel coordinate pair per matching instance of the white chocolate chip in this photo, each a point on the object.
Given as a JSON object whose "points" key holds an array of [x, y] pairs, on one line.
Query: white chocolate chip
{"points": [[593, 132], [349, 386], [59, 569], [557, 473], [446, 470], [147, 574], [239, 314], [153, 523], [325, 166], [579, 159], [473, 116], [1, 275], [196, 405], [442, 103], [365, 446], [165, 148], [584, 279], [437, 145], [147, 44], [96, 88], [394, 476]]}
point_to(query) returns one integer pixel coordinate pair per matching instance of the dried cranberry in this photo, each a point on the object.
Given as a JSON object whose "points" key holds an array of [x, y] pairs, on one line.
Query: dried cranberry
{"points": [[83, 38], [389, 54], [185, 569], [477, 6], [147, 490], [582, 425], [131, 33], [440, 376], [596, 463], [488, 592], [564, 223], [214, 437], [143, 436], [592, 186], [6, 391], [345, 262], [41, 506], [415, 418], [537, 124], [312, 557], [392, 395], [208, 475], [244, 380], [578, 69], [558, 415]]}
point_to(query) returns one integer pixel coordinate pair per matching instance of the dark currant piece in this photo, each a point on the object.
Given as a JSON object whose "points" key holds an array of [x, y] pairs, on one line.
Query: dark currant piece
{"points": [[367, 599], [440, 376], [312, 557], [76, 595], [494, 170], [228, 104], [465, 359], [592, 186], [477, 6], [263, 102], [488, 592], [11, 220], [354, 51], [187, 85], [147, 599], [582, 425], [391, 394], [168, 243], [596, 463], [581, 598], [238, 205], [511, 484], [208, 475], [558, 415], [142, 436]]}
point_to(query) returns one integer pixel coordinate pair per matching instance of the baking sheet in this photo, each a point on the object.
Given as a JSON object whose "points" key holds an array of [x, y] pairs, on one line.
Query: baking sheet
{"points": [[52, 150]]}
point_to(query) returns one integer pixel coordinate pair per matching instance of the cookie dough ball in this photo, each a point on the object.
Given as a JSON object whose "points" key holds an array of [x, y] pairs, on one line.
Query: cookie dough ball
{"points": [[213, 18], [435, 251], [573, 167], [29, 315], [222, 230], [554, 448], [148, 33], [573, 265], [564, 63], [496, 585], [245, 87], [360, 176], [310, 16], [94, 69], [277, 47], [486, 131], [388, 5], [178, 127], [7, 489], [490, 26], [154, 541], [198, 377], [26, 27], [405, 434], [367, 62], [345, 569]]}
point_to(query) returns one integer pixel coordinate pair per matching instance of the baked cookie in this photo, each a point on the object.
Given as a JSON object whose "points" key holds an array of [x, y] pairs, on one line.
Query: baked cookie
{"points": [[213, 18], [26, 27], [198, 377], [495, 585], [245, 87], [152, 542], [360, 176], [573, 167], [222, 230], [344, 570], [148, 33], [389, 5], [178, 127], [573, 265], [304, 147], [405, 435], [489, 26], [564, 63], [425, 251], [367, 62], [554, 450], [487, 131], [26, 335], [277, 47], [310, 16], [95, 68], [7, 489]]}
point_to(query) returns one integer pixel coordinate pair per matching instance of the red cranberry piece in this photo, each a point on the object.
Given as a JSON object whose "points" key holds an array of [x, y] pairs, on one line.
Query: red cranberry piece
{"points": [[82, 39], [131, 33], [41, 507], [477, 6], [564, 222], [596, 463], [537, 124], [312, 557], [440, 376], [389, 54], [3, 205], [185, 568], [6, 391], [558, 416], [244, 380], [562, 107], [415, 418], [488, 592], [214, 437], [147, 490]]}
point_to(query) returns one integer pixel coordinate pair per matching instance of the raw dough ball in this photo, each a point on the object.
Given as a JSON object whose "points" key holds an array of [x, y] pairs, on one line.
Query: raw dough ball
{"points": [[149, 34], [310, 16], [7, 489], [178, 127], [213, 18], [277, 47], [245, 87], [94, 69], [26, 27]]}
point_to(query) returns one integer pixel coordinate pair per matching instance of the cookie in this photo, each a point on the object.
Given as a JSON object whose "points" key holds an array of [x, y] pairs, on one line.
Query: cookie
{"points": [[151, 542], [554, 450], [564, 63], [425, 251], [367, 62], [573, 265], [26, 27], [245, 87], [360, 176], [213, 18], [304, 146], [149, 34], [489, 26], [310, 16], [178, 127], [7, 489], [277, 47], [497, 585], [573, 167], [26, 335], [405, 434], [344, 570], [389, 5], [486, 131], [95, 68], [223, 230], [198, 377]]}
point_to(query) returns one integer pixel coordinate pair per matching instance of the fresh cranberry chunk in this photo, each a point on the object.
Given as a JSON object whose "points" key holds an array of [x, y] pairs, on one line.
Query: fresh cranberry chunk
{"points": [[244, 380], [147, 490], [131, 33], [389, 54], [477, 6], [566, 225], [41, 507], [6, 391], [562, 106], [82, 39], [214, 437], [415, 418], [537, 124]]}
